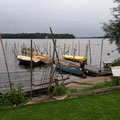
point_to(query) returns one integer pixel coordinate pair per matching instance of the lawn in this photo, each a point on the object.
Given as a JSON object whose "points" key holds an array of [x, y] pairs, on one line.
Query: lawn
{"points": [[91, 107]]}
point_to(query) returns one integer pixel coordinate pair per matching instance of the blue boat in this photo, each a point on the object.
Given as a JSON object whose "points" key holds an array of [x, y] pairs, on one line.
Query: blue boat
{"points": [[69, 67]]}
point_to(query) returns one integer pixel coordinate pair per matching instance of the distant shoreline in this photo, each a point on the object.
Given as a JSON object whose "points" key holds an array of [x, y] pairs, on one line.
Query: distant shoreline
{"points": [[43, 36], [89, 37], [61, 38], [36, 36]]}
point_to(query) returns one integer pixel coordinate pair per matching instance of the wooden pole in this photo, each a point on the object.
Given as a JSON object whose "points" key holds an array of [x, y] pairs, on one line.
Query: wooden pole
{"points": [[90, 52], [58, 50], [52, 71], [86, 52], [6, 64], [79, 48], [31, 71], [72, 48], [50, 50], [68, 49], [56, 54], [64, 48], [101, 54], [74, 52]]}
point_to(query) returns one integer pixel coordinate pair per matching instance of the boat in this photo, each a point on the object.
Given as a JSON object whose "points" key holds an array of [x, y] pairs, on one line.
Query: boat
{"points": [[75, 58], [27, 60], [116, 71], [69, 67], [43, 58], [27, 51], [36, 59]]}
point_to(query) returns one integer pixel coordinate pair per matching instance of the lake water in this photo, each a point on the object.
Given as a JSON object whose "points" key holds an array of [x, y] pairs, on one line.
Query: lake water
{"points": [[22, 74]]}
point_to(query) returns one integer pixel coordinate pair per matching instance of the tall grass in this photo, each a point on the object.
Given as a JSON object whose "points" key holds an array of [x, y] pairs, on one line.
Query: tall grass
{"points": [[106, 84]]}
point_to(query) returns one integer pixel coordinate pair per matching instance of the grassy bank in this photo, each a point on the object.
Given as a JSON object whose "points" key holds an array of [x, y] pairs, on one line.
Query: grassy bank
{"points": [[92, 107], [105, 84]]}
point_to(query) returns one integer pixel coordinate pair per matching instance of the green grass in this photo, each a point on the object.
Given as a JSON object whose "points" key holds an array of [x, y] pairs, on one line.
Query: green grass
{"points": [[82, 83], [91, 107], [113, 82], [69, 91]]}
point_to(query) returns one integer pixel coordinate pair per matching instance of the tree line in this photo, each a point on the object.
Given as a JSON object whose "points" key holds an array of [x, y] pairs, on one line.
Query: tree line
{"points": [[112, 27], [36, 36]]}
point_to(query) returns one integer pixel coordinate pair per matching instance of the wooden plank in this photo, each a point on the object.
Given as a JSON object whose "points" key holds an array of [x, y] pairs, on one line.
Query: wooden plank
{"points": [[95, 91]]}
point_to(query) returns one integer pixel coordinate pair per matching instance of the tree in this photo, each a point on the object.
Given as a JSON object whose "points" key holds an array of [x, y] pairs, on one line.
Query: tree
{"points": [[112, 27]]}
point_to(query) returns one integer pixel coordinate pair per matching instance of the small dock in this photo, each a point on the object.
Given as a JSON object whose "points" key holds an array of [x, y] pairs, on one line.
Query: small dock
{"points": [[96, 71], [93, 70]]}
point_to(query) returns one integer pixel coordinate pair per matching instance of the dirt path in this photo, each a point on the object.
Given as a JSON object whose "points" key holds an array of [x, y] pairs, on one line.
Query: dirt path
{"points": [[88, 82]]}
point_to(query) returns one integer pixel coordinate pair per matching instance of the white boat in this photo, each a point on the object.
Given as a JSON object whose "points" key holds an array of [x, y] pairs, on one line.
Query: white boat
{"points": [[27, 60], [116, 71]]}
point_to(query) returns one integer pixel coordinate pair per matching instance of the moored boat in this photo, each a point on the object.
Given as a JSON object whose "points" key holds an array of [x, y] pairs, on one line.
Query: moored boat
{"points": [[43, 58], [37, 55], [69, 67], [76, 58], [27, 60]]}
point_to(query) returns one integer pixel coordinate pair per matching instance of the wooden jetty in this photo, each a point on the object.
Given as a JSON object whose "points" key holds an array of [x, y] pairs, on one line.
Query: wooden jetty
{"points": [[96, 71], [93, 70]]}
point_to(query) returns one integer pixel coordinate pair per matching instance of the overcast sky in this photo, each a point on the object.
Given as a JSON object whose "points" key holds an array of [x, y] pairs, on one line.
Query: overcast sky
{"points": [[80, 17]]}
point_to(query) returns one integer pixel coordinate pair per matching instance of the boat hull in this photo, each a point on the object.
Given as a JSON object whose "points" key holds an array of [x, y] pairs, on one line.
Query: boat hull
{"points": [[27, 60], [76, 58], [69, 68]]}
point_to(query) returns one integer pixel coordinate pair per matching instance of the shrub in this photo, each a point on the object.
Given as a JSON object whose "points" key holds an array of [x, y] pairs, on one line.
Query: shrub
{"points": [[59, 90], [14, 96]]}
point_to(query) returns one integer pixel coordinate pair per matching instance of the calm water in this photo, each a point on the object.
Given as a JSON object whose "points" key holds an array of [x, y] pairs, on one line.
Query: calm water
{"points": [[21, 73], [44, 46]]}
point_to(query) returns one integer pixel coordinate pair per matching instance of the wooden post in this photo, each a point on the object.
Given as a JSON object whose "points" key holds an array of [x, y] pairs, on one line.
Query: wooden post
{"points": [[68, 49], [50, 50], [86, 52], [6, 64], [72, 48], [101, 54], [90, 52], [56, 53], [74, 52], [31, 71], [58, 50], [51, 72], [64, 48], [43, 48], [78, 48], [46, 47]]}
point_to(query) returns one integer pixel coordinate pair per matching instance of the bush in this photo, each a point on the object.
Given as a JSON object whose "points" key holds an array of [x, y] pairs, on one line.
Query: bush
{"points": [[59, 90], [14, 96]]}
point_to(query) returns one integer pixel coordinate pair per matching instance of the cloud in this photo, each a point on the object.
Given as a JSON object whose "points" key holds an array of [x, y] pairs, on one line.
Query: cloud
{"points": [[63, 15]]}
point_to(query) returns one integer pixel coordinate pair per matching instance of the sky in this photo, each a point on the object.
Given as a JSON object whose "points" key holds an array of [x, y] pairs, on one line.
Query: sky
{"points": [[82, 18]]}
